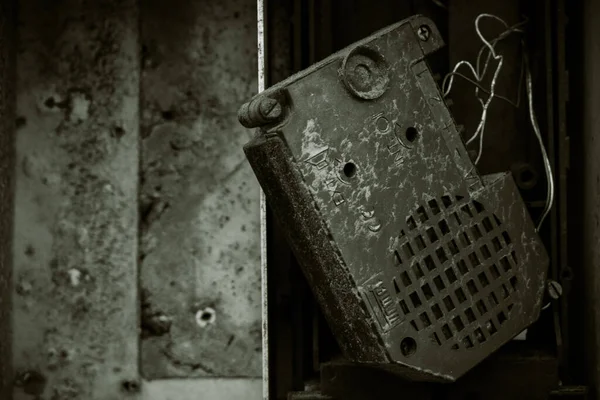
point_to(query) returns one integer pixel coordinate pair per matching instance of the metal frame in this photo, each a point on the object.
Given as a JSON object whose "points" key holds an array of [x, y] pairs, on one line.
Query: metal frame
{"points": [[7, 182], [261, 10]]}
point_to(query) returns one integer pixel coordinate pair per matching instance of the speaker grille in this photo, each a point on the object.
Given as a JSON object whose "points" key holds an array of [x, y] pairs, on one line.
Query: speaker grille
{"points": [[457, 269]]}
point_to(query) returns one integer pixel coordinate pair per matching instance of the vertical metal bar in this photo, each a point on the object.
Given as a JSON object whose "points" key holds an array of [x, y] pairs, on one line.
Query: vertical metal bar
{"points": [[8, 25], [550, 102], [561, 174], [590, 224], [261, 6]]}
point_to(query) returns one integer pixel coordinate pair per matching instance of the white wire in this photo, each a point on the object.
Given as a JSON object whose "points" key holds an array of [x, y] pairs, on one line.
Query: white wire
{"points": [[480, 87], [477, 71], [439, 4], [538, 135], [479, 74]]}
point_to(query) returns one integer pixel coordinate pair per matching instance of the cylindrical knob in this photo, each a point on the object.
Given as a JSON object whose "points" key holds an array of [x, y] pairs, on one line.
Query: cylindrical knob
{"points": [[260, 111]]}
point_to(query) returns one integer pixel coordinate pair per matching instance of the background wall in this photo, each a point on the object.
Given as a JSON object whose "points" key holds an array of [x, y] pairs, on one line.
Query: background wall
{"points": [[136, 232]]}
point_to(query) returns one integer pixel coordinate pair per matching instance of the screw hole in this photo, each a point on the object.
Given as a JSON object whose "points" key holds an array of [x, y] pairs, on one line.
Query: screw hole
{"points": [[411, 134], [349, 170], [206, 316], [168, 115], [408, 346], [50, 102], [567, 274], [131, 386], [527, 176]]}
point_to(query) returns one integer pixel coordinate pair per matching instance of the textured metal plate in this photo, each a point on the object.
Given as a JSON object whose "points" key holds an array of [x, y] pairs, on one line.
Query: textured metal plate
{"points": [[415, 258]]}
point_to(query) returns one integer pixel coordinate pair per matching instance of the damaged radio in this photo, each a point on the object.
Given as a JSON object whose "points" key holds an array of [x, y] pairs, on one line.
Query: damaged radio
{"points": [[417, 261]]}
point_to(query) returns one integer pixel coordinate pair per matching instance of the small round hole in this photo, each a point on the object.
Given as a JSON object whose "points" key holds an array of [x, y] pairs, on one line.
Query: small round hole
{"points": [[527, 176], [408, 346], [567, 274], [206, 316], [130, 386], [411, 134], [349, 170], [168, 115]]}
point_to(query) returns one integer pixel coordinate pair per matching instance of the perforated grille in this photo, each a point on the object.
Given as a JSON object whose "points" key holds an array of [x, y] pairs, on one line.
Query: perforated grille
{"points": [[456, 272]]}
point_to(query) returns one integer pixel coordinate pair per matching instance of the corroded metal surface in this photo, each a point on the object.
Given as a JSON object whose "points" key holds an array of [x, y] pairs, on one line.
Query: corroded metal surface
{"points": [[200, 239], [75, 314], [413, 256]]}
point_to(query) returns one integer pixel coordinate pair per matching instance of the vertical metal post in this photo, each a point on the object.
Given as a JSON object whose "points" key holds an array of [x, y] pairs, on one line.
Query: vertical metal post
{"points": [[262, 79], [590, 223], [8, 25]]}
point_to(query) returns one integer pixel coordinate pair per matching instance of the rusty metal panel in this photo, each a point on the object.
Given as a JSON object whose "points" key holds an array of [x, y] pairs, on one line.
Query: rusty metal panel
{"points": [[199, 201], [415, 258], [75, 312], [7, 183]]}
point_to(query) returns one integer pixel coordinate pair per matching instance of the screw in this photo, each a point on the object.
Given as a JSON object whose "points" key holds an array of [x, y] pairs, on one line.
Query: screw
{"points": [[424, 32], [554, 289], [269, 108], [260, 111], [156, 324]]}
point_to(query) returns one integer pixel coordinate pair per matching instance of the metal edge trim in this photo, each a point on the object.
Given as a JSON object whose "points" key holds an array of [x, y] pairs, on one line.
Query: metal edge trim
{"points": [[261, 9]]}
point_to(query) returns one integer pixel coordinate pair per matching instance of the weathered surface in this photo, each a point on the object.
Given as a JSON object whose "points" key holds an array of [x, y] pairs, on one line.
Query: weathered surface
{"points": [[400, 239], [203, 389], [200, 241], [75, 279], [7, 159]]}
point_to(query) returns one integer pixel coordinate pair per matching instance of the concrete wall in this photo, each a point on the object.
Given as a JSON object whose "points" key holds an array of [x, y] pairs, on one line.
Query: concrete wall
{"points": [[136, 240]]}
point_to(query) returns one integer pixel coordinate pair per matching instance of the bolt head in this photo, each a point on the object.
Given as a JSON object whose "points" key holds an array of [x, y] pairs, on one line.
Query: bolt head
{"points": [[554, 290], [424, 32], [270, 108], [366, 73]]}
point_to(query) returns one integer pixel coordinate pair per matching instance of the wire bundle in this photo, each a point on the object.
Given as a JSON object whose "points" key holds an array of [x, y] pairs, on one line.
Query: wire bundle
{"points": [[479, 73]]}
